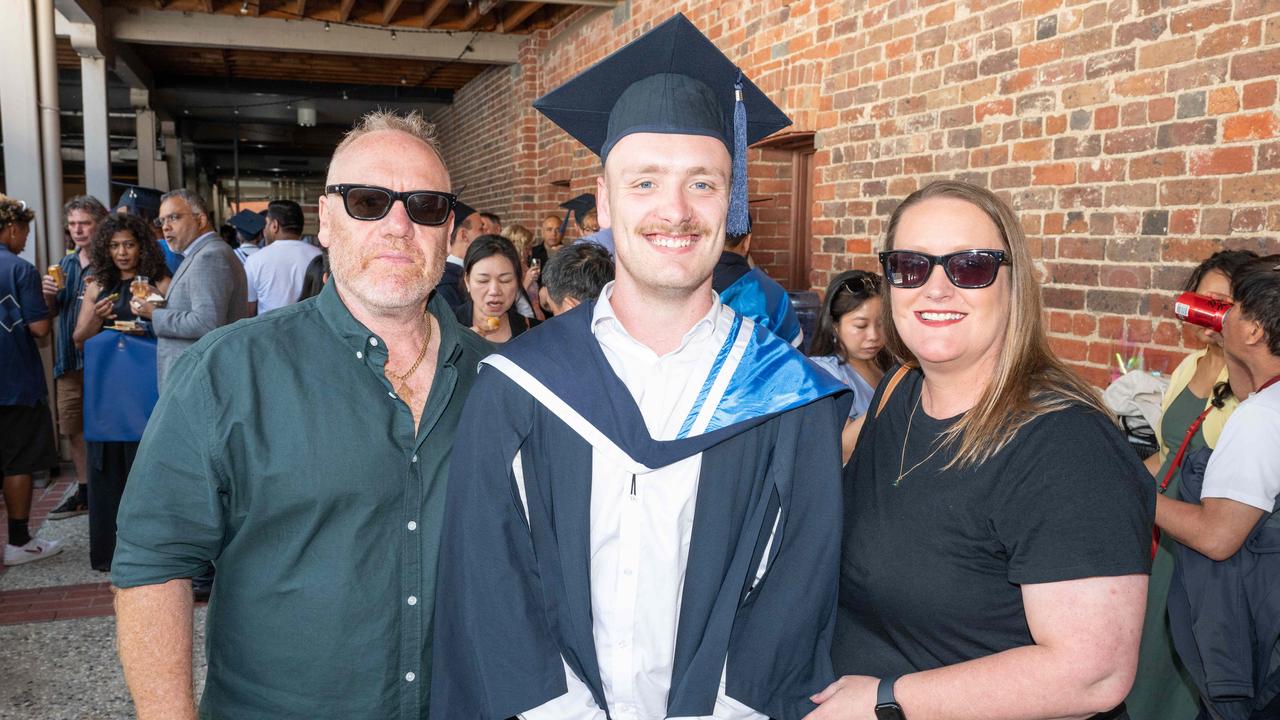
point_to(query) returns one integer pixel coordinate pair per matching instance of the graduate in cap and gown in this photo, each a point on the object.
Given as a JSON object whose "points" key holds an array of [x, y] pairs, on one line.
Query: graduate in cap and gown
{"points": [[643, 514], [450, 285], [751, 292], [580, 208]]}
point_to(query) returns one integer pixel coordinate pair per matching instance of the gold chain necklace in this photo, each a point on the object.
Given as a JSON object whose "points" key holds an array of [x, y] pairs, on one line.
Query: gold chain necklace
{"points": [[902, 459], [401, 381]]}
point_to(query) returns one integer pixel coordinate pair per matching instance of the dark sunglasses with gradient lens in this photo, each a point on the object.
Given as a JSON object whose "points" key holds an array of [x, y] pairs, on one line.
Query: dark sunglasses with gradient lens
{"points": [[370, 202], [967, 269]]}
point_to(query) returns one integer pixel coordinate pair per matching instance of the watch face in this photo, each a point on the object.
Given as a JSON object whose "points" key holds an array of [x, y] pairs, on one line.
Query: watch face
{"points": [[889, 711]]}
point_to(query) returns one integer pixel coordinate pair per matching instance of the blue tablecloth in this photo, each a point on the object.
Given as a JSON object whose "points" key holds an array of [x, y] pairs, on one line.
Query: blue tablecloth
{"points": [[119, 386]]}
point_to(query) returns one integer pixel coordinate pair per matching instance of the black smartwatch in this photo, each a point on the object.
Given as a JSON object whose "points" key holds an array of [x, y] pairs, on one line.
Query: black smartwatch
{"points": [[887, 708]]}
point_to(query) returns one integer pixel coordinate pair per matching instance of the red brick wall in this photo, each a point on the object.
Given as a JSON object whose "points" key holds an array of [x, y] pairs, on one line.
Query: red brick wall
{"points": [[1133, 138]]}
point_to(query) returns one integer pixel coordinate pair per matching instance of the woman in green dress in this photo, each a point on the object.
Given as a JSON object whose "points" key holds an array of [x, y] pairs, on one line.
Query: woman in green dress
{"points": [[1162, 689]]}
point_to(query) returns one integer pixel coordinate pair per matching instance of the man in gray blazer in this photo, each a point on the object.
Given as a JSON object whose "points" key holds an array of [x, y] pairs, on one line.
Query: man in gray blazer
{"points": [[208, 290]]}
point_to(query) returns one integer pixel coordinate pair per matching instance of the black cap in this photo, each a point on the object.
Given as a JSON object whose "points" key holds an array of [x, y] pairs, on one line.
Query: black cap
{"points": [[461, 211], [138, 200], [671, 80], [248, 223], [579, 206]]}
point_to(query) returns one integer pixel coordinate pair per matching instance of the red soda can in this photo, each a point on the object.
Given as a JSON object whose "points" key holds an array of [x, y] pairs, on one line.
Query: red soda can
{"points": [[1201, 310]]}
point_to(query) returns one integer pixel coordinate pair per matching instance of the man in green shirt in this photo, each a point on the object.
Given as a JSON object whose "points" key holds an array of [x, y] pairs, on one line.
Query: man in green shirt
{"points": [[315, 481]]}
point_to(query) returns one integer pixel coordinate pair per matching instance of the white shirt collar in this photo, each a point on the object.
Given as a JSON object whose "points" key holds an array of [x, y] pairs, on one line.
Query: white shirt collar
{"points": [[603, 317], [455, 260]]}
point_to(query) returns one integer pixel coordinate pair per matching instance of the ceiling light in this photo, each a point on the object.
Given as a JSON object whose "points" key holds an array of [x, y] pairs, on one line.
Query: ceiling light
{"points": [[393, 34], [326, 26], [244, 7]]}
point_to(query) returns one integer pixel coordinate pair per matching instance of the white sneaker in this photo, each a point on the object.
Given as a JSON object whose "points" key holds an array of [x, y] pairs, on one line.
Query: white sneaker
{"points": [[36, 549]]}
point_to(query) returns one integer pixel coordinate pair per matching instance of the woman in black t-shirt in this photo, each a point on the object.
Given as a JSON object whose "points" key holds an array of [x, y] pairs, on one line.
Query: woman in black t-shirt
{"points": [[997, 526]]}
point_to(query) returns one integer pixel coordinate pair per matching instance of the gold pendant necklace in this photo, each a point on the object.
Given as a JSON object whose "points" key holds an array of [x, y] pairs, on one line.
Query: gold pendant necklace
{"points": [[401, 382], [902, 459]]}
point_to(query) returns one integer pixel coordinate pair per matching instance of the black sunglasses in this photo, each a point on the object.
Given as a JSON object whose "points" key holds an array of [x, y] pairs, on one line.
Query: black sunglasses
{"points": [[967, 269], [370, 202]]}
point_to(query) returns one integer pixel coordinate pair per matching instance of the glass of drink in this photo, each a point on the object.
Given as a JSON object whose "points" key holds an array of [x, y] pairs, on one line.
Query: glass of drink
{"points": [[55, 272], [141, 287]]}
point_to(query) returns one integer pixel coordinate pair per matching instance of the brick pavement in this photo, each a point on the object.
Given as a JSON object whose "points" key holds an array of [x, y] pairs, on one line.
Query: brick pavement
{"points": [[61, 602]]}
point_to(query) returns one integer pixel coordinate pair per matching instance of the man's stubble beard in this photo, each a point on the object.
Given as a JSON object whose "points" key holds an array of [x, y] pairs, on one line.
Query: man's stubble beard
{"points": [[353, 273]]}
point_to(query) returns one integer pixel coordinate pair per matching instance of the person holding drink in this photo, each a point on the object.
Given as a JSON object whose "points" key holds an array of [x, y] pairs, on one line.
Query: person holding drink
{"points": [[493, 276], [126, 260]]}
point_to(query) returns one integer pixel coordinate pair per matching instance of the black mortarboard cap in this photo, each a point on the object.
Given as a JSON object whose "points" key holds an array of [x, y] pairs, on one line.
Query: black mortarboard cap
{"points": [[580, 206], [670, 80], [461, 211], [142, 201], [247, 223]]}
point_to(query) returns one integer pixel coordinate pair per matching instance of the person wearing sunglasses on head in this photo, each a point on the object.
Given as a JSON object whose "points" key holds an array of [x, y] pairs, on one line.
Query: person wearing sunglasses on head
{"points": [[303, 452], [849, 343], [997, 527]]}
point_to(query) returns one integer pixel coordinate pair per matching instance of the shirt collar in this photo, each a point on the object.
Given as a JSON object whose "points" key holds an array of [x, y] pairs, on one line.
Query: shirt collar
{"points": [[729, 257], [359, 339], [455, 260], [198, 243], [604, 318]]}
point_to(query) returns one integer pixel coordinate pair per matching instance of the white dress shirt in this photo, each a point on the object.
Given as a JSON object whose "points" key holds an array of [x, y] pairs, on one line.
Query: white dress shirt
{"points": [[641, 527], [276, 273]]}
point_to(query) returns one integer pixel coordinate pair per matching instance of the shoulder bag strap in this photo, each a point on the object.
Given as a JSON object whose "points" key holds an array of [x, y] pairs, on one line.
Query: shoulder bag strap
{"points": [[893, 384]]}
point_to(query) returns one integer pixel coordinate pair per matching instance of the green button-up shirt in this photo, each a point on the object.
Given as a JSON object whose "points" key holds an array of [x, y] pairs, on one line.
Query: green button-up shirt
{"points": [[280, 454]]}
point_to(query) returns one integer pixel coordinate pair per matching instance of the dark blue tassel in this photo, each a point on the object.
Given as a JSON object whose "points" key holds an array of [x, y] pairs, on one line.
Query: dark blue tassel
{"points": [[738, 223]]}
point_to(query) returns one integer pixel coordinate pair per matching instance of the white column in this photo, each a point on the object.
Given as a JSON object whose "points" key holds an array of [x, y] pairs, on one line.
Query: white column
{"points": [[172, 154], [146, 132], [50, 128], [97, 143], [20, 119]]}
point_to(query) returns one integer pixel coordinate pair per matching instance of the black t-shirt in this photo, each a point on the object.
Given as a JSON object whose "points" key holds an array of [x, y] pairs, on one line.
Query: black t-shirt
{"points": [[931, 569]]}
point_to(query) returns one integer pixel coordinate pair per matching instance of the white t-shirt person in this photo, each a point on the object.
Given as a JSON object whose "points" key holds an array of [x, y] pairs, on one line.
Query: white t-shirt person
{"points": [[275, 273], [1245, 465]]}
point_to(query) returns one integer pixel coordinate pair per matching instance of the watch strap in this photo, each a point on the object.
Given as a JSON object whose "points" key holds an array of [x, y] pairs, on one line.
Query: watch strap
{"points": [[884, 691]]}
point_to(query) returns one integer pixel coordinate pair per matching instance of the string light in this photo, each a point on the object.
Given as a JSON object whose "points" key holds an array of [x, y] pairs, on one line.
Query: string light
{"points": [[244, 7], [393, 34], [326, 26]]}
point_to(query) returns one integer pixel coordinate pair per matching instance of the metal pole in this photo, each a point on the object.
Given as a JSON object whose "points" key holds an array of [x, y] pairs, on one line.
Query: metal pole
{"points": [[50, 128], [235, 159]]}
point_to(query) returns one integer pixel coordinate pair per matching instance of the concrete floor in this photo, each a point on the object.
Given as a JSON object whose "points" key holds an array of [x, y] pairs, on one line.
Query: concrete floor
{"points": [[67, 669]]}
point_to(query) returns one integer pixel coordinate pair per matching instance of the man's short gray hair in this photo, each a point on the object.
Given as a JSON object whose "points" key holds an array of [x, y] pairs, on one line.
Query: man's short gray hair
{"points": [[411, 123], [85, 203], [193, 201]]}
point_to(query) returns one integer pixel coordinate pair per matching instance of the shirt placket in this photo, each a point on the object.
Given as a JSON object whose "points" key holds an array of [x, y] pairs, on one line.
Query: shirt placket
{"points": [[412, 633]]}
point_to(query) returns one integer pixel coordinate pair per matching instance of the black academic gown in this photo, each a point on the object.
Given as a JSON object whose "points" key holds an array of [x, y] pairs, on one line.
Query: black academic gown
{"points": [[514, 594], [450, 286]]}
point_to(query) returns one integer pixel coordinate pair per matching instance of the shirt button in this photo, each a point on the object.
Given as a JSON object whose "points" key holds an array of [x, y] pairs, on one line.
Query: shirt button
{"points": [[413, 600], [415, 458], [359, 355], [622, 643], [627, 572], [391, 395], [412, 526], [374, 342], [409, 677]]}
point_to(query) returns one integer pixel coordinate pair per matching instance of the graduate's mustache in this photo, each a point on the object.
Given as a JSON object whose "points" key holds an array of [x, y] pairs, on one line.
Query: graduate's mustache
{"points": [[689, 227]]}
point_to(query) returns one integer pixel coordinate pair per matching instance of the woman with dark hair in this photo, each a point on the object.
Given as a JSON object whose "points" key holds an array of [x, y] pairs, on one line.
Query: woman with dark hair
{"points": [[849, 341], [316, 276], [997, 526], [122, 251], [492, 275], [1198, 395]]}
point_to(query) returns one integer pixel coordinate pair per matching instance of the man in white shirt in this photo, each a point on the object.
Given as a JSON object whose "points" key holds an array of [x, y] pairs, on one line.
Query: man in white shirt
{"points": [[643, 513], [276, 271], [1242, 480]]}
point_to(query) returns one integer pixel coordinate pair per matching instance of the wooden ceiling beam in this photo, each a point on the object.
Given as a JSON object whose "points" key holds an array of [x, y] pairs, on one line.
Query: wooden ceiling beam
{"points": [[513, 19], [301, 9], [433, 11], [389, 9], [472, 17], [344, 10]]}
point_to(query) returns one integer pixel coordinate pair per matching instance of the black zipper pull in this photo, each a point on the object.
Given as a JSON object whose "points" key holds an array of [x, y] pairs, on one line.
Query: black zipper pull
{"points": [[633, 485]]}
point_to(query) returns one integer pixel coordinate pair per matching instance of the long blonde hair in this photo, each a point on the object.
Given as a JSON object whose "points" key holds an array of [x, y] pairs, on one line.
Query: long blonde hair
{"points": [[1028, 381]]}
